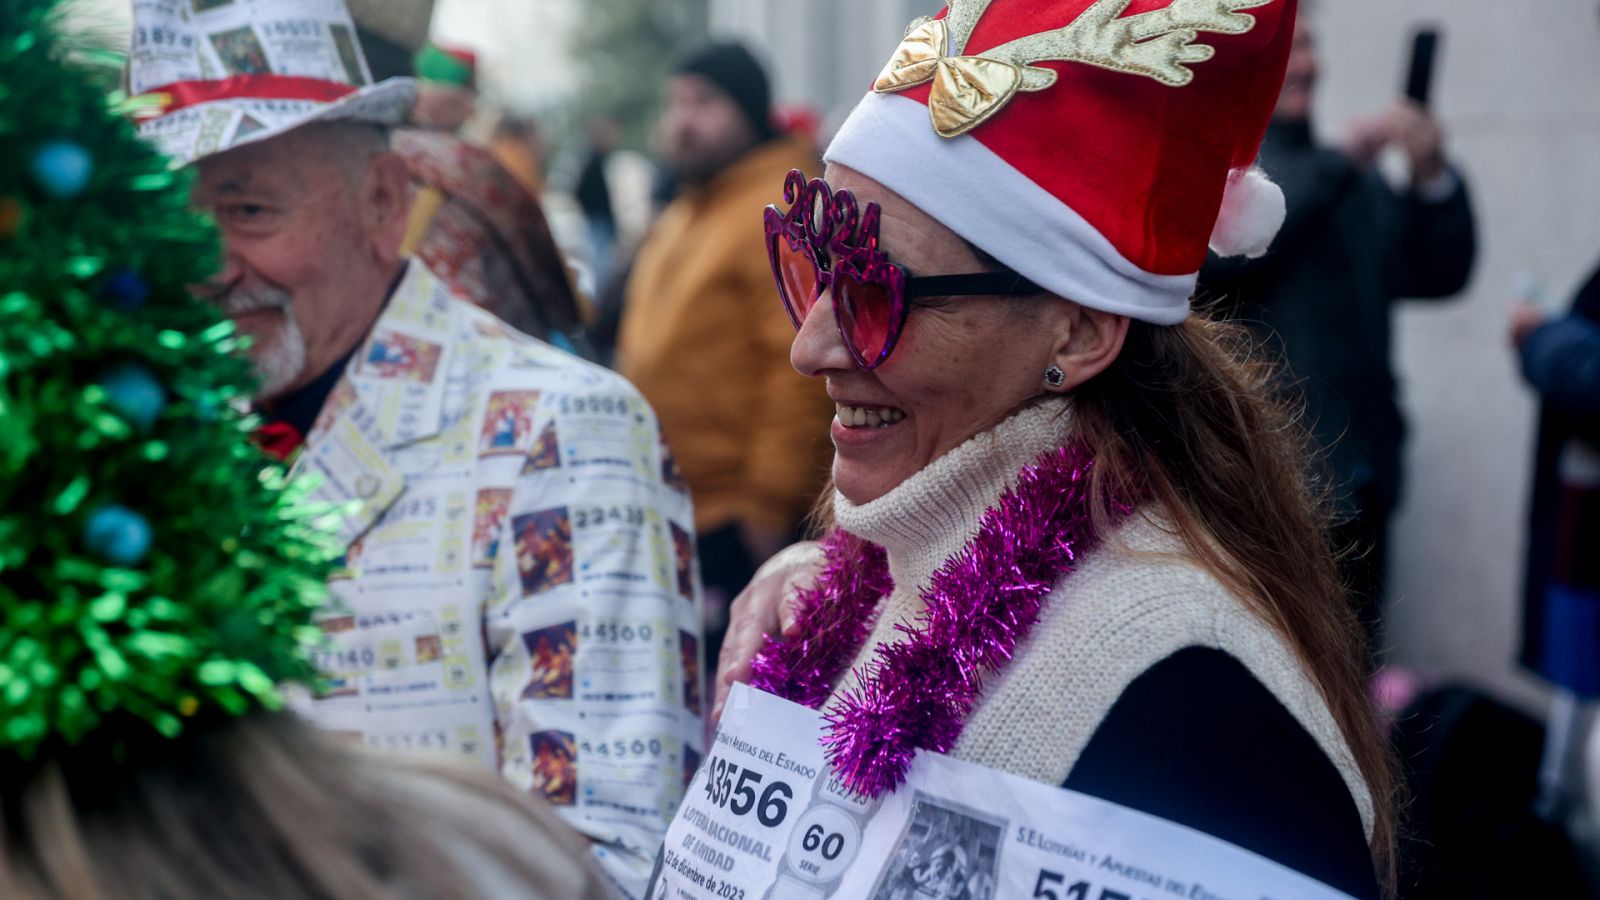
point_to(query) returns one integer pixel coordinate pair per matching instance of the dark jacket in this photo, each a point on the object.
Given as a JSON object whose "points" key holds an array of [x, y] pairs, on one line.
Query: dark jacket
{"points": [[1349, 248], [1561, 360], [1561, 629]]}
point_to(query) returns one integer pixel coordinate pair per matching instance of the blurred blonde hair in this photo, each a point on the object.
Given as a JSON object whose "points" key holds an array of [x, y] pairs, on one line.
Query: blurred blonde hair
{"points": [[263, 807]]}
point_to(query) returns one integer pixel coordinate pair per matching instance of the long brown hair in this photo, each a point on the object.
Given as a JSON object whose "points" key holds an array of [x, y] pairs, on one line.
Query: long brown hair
{"points": [[1194, 415], [262, 807]]}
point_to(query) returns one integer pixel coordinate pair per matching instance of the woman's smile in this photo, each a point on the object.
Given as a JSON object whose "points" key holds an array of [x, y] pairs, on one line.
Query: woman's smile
{"points": [[868, 416]]}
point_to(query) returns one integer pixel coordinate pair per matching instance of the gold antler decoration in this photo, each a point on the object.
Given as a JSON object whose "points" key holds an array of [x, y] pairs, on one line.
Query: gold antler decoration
{"points": [[1157, 44], [967, 90]]}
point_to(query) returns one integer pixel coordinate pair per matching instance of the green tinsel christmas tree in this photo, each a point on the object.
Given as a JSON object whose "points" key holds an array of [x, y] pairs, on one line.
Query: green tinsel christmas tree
{"points": [[153, 568]]}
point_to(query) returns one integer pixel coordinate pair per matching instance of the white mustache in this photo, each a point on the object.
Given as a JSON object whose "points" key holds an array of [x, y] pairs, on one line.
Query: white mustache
{"points": [[240, 300]]}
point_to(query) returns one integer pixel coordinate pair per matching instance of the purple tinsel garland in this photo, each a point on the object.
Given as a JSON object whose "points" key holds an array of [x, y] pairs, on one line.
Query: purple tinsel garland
{"points": [[978, 606]]}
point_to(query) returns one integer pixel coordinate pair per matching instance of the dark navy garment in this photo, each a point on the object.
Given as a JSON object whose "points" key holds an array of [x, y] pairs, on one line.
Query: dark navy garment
{"points": [[1561, 589], [299, 409], [1199, 741]]}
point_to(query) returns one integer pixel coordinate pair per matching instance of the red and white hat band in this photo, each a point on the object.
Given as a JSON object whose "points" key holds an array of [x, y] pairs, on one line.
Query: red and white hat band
{"points": [[229, 73]]}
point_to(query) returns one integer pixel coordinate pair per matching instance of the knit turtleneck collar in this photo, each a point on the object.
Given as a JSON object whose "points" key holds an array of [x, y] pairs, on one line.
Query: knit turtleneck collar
{"points": [[931, 515]]}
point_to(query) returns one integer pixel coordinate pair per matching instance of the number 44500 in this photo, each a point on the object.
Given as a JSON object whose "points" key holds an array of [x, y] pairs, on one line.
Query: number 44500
{"points": [[1046, 888]]}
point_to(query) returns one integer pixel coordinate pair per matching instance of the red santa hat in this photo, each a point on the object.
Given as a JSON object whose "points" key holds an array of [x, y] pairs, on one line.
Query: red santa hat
{"points": [[1097, 147]]}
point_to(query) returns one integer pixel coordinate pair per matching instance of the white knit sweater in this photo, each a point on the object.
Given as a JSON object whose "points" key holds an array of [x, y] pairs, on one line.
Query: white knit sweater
{"points": [[1129, 605]]}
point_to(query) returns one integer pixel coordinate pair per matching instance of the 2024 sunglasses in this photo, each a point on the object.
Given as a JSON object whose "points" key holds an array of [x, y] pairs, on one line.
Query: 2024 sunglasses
{"points": [[826, 241]]}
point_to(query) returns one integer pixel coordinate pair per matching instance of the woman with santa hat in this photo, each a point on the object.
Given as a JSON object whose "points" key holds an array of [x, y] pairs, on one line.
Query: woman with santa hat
{"points": [[1072, 532]]}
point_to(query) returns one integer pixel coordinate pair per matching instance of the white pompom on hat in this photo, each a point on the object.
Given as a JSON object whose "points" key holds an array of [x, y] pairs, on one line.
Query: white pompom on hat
{"points": [[1253, 210]]}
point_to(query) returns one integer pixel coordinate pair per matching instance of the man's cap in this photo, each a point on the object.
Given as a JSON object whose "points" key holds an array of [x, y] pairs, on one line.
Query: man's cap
{"points": [[226, 74], [447, 65]]}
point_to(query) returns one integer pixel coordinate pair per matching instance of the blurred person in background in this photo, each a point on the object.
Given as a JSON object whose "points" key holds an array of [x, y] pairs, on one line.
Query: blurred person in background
{"points": [[698, 333], [476, 220], [390, 33], [1322, 295], [447, 87], [519, 146], [593, 193], [478, 228], [262, 806], [1560, 360]]}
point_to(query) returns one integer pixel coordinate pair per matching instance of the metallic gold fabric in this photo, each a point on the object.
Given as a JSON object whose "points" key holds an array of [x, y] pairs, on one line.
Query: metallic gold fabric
{"points": [[967, 90]]}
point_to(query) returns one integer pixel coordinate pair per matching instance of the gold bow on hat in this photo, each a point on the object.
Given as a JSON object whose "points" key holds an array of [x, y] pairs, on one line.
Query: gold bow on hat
{"points": [[968, 90]]}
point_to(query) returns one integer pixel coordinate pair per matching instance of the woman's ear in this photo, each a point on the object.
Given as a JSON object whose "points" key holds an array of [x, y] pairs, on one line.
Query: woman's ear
{"points": [[1091, 344]]}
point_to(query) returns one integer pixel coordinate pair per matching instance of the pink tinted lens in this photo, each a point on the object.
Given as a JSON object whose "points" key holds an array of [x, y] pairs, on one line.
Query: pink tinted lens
{"points": [[797, 279], [866, 310]]}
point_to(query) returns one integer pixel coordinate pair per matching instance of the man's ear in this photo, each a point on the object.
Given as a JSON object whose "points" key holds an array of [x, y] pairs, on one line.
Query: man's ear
{"points": [[1092, 342], [386, 205]]}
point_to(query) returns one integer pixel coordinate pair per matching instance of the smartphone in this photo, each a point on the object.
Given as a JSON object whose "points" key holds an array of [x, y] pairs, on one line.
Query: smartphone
{"points": [[1419, 75], [1529, 287]]}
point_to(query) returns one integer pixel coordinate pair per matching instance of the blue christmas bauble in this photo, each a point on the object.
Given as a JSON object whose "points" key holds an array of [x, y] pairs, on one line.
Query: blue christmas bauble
{"points": [[208, 407], [134, 393], [118, 535], [63, 168], [125, 289]]}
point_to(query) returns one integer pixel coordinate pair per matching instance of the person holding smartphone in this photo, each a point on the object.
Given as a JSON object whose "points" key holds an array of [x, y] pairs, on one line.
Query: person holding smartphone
{"points": [[1351, 246]]}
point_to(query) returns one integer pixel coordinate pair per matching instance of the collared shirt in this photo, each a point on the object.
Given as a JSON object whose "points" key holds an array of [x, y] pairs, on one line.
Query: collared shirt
{"points": [[518, 585]]}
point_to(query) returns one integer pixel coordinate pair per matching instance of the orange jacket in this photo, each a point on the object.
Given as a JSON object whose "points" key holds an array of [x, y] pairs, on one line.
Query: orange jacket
{"points": [[705, 339]]}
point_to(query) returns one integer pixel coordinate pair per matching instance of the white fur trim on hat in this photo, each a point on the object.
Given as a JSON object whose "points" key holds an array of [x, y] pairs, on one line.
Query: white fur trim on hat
{"points": [[984, 199], [1253, 210]]}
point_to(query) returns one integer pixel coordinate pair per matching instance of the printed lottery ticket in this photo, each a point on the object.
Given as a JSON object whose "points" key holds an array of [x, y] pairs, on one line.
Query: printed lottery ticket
{"points": [[765, 820]]}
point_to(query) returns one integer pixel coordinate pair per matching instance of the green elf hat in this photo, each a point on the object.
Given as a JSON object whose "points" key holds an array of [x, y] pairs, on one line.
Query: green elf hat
{"points": [[447, 65], [155, 570]]}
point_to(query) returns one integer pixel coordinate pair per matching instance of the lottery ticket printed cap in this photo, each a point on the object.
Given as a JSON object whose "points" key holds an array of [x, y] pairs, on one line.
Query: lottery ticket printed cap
{"points": [[224, 73]]}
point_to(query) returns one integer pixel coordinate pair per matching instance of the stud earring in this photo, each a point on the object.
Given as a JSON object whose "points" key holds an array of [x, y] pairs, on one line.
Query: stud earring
{"points": [[1054, 377]]}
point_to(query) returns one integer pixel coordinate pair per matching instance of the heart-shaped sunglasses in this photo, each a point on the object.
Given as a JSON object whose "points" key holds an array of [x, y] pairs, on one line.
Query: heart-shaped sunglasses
{"points": [[827, 241]]}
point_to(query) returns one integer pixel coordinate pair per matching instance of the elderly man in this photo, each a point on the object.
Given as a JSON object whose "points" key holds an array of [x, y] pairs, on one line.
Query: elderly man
{"points": [[518, 585]]}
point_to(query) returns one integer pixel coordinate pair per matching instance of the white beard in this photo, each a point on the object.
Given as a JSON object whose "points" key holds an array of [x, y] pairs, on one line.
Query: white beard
{"points": [[281, 359]]}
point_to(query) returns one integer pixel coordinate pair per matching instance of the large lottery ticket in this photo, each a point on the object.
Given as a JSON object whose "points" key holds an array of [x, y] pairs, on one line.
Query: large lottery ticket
{"points": [[764, 820]]}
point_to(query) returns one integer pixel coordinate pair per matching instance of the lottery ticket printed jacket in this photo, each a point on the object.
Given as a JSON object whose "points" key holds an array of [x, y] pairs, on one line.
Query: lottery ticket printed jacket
{"points": [[519, 583]]}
